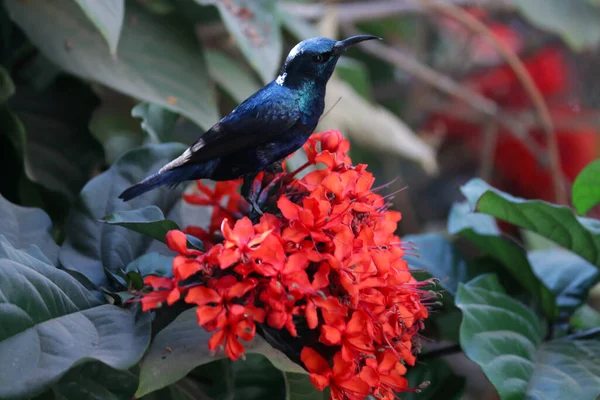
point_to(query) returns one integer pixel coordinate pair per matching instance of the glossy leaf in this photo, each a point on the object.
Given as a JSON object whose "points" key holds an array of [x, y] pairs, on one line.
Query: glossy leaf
{"points": [[443, 384], [178, 82], [586, 188], [95, 381], [232, 77], [108, 16], [483, 231], [91, 245], [585, 318], [567, 275], [148, 221], [23, 227], [157, 122], [256, 31], [152, 264], [182, 346], [505, 338], [299, 387], [57, 324], [576, 21], [557, 223]]}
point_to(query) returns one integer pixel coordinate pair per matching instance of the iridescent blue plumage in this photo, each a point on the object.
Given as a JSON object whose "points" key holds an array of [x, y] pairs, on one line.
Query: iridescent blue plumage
{"points": [[265, 128]]}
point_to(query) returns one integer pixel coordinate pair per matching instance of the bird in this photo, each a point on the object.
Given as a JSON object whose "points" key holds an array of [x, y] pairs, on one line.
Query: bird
{"points": [[264, 129]]}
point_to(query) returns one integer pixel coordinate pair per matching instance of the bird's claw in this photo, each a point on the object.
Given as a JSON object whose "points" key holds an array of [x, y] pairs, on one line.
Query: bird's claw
{"points": [[255, 206]]}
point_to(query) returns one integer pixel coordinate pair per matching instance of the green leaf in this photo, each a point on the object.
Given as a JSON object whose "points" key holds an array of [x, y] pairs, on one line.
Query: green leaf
{"points": [[505, 338], [152, 264], [178, 82], [23, 227], [57, 148], [256, 378], [483, 231], [51, 323], [299, 387], [108, 16], [585, 318], [443, 384], [94, 381], [567, 275], [576, 21], [157, 122], [557, 223], [438, 257], [231, 76], [586, 188], [148, 221], [182, 346], [91, 245], [7, 88], [256, 31], [356, 74]]}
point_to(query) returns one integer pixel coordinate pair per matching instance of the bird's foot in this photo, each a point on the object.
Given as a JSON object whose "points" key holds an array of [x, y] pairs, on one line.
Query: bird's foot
{"points": [[249, 195], [275, 168], [255, 206]]}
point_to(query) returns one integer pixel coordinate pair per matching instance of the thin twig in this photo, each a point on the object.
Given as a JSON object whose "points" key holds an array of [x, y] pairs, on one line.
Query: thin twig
{"points": [[490, 138], [591, 333], [447, 85], [475, 25], [374, 10]]}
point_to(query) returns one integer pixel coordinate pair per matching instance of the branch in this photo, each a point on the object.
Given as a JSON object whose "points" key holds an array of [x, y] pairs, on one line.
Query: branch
{"points": [[373, 10], [473, 24], [447, 85], [589, 334]]}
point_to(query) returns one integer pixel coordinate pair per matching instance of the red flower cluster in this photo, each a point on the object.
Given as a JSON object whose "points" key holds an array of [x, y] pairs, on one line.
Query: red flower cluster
{"points": [[326, 254]]}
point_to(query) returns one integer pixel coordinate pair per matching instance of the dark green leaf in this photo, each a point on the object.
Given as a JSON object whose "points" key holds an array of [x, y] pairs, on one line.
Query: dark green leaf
{"points": [[157, 122], [576, 21], [505, 338], [438, 257], [59, 151], [255, 378], [557, 223], [91, 245], [95, 381], [443, 384], [7, 88], [483, 231], [567, 275], [232, 77], [182, 346], [51, 323], [148, 221], [299, 387], [23, 227], [152, 264], [178, 82], [256, 31], [586, 188], [108, 16]]}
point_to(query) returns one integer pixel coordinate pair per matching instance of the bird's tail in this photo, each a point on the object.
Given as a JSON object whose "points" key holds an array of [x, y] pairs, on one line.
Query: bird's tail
{"points": [[172, 177]]}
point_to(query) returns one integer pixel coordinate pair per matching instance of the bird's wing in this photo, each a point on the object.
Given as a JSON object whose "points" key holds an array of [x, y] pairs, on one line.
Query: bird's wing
{"points": [[259, 118]]}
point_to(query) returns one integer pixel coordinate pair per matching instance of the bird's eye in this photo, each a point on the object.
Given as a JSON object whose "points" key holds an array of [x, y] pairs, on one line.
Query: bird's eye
{"points": [[318, 58]]}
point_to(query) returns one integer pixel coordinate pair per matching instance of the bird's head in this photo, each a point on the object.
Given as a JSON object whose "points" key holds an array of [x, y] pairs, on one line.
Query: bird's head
{"points": [[313, 60]]}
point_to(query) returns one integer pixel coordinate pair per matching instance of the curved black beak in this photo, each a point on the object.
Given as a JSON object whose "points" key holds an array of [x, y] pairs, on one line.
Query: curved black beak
{"points": [[342, 45]]}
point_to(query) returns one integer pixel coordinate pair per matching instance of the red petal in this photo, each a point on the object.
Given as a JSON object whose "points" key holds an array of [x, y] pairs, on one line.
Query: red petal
{"points": [[257, 314], [242, 232], [296, 262], [319, 381], [321, 278], [174, 296], [206, 314], [177, 241], [241, 288], [216, 339], [184, 267], [311, 315], [233, 348], [258, 239], [314, 362], [288, 209], [370, 376], [157, 282], [356, 386], [330, 335], [202, 295], [228, 257], [245, 330]]}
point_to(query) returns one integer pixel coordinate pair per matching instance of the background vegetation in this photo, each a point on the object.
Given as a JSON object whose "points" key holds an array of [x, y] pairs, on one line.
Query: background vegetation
{"points": [[95, 95]]}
